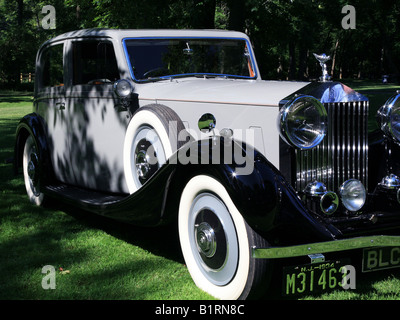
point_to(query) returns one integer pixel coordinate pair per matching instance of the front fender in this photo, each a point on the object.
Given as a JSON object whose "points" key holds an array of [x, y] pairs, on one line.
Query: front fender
{"points": [[267, 202]]}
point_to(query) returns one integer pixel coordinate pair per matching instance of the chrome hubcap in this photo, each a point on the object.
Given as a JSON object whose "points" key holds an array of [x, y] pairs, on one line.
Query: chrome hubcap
{"points": [[147, 155], [146, 161], [142, 164], [205, 239], [33, 172], [213, 239]]}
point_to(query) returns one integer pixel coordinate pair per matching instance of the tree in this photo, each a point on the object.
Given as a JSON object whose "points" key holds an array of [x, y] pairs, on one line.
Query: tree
{"points": [[284, 33]]}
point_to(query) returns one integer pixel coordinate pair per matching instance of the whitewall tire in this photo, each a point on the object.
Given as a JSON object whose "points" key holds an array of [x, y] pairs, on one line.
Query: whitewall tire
{"points": [[31, 168], [216, 241]]}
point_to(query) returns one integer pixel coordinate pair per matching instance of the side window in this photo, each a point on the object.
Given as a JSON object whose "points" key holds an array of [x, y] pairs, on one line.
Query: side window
{"points": [[94, 62], [52, 66]]}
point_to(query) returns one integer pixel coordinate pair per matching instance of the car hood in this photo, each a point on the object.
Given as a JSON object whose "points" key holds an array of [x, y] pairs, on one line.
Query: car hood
{"points": [[228, 91]]}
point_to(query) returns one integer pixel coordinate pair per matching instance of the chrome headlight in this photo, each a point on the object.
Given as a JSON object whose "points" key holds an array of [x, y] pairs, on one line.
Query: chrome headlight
{"points": [[353, 195], [389, 117], [302, 122]]}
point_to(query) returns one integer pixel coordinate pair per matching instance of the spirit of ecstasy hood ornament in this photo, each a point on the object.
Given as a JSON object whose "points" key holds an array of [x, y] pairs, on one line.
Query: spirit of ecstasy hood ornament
{"points": [[323, 58]]}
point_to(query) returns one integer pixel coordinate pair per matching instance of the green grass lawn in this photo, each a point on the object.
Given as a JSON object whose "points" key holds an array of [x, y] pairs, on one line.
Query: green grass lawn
{"points": [[377, 94], [97, 258]]}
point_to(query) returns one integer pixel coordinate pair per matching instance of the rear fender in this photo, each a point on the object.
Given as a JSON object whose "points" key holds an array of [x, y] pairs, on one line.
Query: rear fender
{"points": [[32, 124]]}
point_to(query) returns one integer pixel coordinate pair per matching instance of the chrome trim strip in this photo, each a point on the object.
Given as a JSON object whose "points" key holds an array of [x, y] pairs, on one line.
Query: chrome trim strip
{"points": [[332, 148], [324, 247], [342, 132], [358, 135], [365, 122], [351, 141]]}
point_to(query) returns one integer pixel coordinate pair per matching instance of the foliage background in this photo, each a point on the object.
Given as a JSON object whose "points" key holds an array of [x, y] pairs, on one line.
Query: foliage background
{"points": [[285, 33]]}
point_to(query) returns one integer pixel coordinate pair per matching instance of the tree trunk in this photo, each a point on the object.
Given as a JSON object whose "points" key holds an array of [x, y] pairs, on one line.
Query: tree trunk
{"points": [[20, 12], [237, 15], [18, 55], [301, 74], [204, 14], [334, 58], [292, 60]]}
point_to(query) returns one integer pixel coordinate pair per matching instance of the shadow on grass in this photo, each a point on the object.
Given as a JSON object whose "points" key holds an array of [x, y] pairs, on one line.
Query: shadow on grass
{"points": [[161, 241], [32, 237], [15, 97]]}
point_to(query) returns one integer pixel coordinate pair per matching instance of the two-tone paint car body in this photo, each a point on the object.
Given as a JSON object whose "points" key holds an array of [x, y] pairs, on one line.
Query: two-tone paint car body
{"points": [[156, 126]]}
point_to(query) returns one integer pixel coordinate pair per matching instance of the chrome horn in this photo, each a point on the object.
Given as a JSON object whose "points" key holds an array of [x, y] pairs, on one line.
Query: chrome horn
{"points": [[317, 194], [391, 184]]}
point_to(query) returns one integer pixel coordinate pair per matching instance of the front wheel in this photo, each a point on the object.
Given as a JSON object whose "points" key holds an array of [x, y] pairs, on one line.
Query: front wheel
{"points": [[216, 242], [151, 139]]}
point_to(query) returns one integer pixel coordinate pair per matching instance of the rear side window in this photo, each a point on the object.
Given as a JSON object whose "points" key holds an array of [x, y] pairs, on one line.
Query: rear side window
{"points": [[52, 66], [94, 62]]}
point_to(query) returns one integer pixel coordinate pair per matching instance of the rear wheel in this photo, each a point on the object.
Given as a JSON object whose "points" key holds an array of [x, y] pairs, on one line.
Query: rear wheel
{"points": [[216, 242], [31, 168]]}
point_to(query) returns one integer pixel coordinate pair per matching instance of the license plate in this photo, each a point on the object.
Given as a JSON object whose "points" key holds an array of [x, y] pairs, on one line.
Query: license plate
{"points": [[311, 278], [381, 258]]}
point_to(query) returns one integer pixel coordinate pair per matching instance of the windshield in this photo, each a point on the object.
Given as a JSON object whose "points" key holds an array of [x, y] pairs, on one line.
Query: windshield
{"points": [[151, 59]]}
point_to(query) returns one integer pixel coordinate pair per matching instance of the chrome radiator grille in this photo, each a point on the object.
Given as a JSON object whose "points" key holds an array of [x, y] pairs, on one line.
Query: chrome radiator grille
{"points": [[343, 154]]}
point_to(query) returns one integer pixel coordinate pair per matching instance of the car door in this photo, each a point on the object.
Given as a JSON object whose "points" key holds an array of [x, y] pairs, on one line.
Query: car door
{"points": [[51, 103], [98, 125]]}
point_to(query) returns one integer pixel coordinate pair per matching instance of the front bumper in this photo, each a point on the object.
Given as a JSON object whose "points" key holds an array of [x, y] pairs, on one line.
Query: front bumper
{"points": [[325, 247]]}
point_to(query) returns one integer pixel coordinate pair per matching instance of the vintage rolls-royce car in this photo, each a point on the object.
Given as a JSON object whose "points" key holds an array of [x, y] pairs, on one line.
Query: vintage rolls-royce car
{"points": [[176, 126]]}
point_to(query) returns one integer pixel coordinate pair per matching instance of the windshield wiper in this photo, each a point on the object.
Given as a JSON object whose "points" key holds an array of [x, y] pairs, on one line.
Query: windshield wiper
{"points": [[196, 75], [206, 76], [222, 76]]}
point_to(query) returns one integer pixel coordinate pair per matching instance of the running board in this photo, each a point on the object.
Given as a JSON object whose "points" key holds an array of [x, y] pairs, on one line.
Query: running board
{"points": [[83, 196], [144, 207]]}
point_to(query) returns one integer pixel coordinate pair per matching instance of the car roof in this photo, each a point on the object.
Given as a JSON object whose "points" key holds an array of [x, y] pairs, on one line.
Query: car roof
{"points": [[120, 34]]}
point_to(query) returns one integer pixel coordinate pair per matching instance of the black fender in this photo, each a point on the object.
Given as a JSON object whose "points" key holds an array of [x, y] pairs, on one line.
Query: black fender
{"points": [[34, 125], [267, 202]]}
